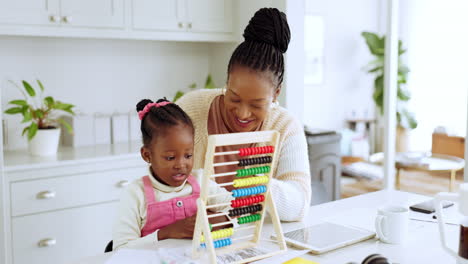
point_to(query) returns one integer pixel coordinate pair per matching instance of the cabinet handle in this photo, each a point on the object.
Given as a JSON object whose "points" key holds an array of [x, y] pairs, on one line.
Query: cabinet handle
{"points": [[180, 24], [47, 242], [122, 184], [54, 18], [45, 195], [67, 19], [189, 25]]}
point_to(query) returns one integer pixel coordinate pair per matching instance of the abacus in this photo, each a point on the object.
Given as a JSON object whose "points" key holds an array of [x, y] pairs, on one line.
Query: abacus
{"points": [[251, 192]]}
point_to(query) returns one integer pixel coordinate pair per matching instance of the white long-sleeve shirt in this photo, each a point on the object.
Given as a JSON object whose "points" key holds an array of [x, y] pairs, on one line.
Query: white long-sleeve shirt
{"points": [[131, 217]]}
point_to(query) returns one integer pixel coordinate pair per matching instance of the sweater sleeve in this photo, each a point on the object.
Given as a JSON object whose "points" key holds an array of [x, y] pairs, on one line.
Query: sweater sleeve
{"points": [[127, 228], [291, 187]]}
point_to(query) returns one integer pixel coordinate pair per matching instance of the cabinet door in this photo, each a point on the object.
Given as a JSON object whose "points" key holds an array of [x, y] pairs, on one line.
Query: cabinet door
{"points": [[210, 15], [161, 15], [92, 13], [63, 236], [30, 12]]}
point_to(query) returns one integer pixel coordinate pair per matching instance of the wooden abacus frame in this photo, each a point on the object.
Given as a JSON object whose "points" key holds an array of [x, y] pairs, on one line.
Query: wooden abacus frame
{"points": [[270, 138]]}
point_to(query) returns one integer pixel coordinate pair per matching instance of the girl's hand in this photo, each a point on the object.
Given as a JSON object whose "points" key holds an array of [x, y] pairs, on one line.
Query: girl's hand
{"points": [[180, 229]]}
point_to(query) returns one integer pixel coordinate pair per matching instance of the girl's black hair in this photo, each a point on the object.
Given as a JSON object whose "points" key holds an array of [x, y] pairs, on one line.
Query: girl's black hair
{"points": [[266, 39], [158, 119]]}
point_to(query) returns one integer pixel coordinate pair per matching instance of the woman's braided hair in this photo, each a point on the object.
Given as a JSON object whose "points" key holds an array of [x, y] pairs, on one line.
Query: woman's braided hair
{"points": [[158, 119], [266, 37]]}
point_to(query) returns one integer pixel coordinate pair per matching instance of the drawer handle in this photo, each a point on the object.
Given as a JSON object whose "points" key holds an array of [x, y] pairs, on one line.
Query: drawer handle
{"points": [[122, 184], [48, 242], [46, 195], [54, 18], [67, 19]]}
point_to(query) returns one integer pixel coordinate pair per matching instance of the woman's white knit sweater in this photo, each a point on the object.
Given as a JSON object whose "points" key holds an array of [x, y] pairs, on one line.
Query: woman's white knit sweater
{"points": [[290, 187]]}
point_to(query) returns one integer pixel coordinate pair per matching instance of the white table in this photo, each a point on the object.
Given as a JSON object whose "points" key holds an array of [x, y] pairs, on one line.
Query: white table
{"points": [[423, 245]]}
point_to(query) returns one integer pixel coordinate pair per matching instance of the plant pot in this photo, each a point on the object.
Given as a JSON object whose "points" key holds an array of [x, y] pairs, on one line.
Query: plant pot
{"points": [[45, 142], [402, 139]]}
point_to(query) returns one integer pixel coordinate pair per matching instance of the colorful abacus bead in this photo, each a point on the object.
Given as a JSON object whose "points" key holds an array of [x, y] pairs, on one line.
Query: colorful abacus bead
{"points": [[252, 171], [227, 232], [254, 161], [249, 191], [250, 181], [247, 201], [245, 210], [256, 150], [219, 243], [248, 219]]}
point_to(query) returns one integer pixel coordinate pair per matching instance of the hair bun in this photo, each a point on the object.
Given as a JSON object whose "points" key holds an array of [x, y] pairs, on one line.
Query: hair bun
{"points": [[162, 100], [142, 104], [270, 26]]}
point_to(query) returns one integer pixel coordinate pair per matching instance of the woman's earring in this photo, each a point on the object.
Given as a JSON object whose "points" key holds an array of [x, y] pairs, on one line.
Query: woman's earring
{"points": [[275, 103]]}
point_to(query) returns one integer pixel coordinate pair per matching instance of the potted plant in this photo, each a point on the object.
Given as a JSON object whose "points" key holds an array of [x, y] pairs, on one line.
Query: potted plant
{"points": [[405, 119], [43, 131]]}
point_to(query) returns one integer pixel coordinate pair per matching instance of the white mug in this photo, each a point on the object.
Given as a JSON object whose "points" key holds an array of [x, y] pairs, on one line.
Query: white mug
{"points": [[391, 224]]}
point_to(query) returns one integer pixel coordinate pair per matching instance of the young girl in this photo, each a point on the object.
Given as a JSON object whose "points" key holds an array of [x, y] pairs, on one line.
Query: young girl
{"points": [[163, 204]]}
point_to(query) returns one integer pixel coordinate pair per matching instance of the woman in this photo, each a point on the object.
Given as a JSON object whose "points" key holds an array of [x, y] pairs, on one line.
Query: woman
{"points": [[249, 103]]}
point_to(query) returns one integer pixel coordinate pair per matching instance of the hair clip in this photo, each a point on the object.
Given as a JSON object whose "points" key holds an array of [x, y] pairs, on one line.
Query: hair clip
{"points": [[147, 107]]}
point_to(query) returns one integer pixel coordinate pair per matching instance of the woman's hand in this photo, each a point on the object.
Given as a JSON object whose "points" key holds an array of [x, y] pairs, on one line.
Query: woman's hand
{"points": [[179, 229]]}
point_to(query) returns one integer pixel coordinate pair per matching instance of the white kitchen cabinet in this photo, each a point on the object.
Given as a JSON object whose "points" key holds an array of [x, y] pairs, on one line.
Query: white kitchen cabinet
{"points": [[63, 13], [30, 12], [210, 15], [201, 16], [92, 13], [62, 209]]}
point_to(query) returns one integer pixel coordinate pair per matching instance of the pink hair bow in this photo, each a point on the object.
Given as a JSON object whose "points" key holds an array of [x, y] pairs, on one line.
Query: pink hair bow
{"points": [[145, 110]]}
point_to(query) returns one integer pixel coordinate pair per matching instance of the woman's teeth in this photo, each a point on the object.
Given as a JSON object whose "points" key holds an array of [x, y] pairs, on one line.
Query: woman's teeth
{"points": [[243, 122]]}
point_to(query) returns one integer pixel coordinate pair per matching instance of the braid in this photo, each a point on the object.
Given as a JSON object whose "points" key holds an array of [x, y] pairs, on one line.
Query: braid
{"points": [[266, 39], [158, 119]]}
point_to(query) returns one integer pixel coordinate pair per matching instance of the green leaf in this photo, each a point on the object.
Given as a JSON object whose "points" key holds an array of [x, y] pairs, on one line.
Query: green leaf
{"points": [[403, 94], [193, 86], [411, 120], [373, 42], [29, 89], [209, 84], [19, 102], [40, 85], [378, 68], [66, 125], [32, 131], [49, 101], [378, 94], [27, 116], [39, 113], [178, 95], [25, 130], [14, 110], [64, 107]]}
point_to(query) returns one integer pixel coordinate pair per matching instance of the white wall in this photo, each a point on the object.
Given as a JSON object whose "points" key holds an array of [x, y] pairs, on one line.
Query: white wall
{"points": [[346, 87], [100, 75], [437, 38]]}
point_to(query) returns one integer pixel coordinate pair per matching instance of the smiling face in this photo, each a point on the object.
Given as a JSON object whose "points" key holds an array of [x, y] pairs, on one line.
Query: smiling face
{"points": [[170, 155], [248, 99]]}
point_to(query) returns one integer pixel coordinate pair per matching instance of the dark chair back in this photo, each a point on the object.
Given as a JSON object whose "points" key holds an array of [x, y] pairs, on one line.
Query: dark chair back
{"points": [[109, 247]]}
